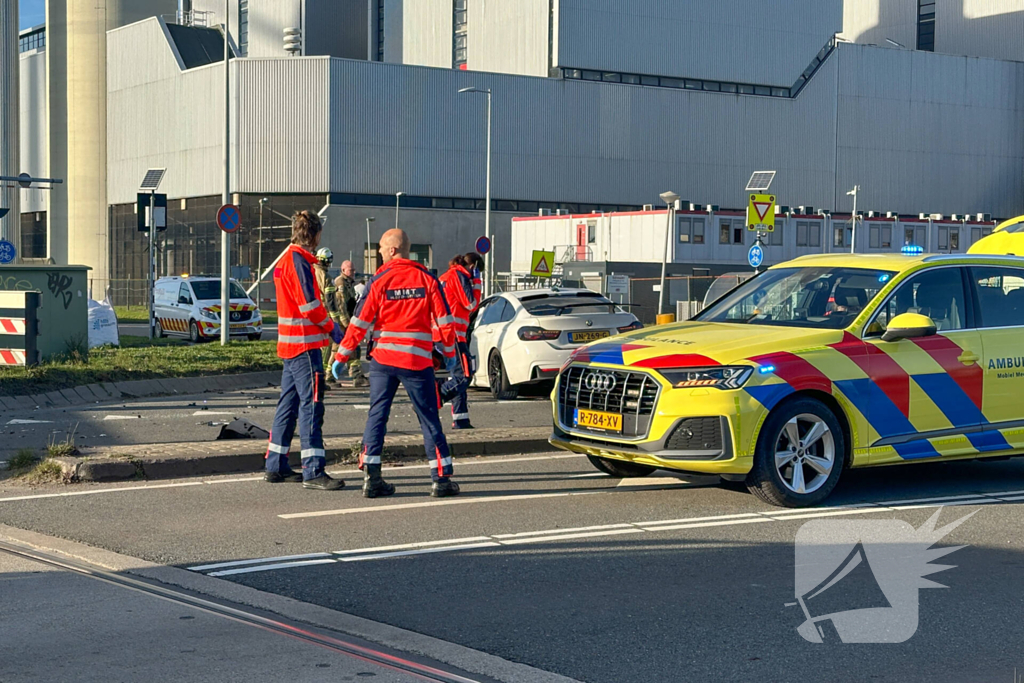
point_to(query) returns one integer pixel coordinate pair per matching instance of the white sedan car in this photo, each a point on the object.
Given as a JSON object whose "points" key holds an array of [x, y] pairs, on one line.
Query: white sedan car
{"points": [[524, 337]]}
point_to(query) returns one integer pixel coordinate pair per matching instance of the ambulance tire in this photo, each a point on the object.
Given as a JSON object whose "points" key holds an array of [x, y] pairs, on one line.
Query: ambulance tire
{"points": [[766, 480], [501, 389], [620, 468], [194, 335], [255, 337], [160, 334]]}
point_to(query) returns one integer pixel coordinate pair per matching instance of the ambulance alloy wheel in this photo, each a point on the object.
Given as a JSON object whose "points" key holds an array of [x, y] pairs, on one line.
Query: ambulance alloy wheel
{"points": [[498, 379], [194, 335], [800, 455], [160, 334], [620, 468]]}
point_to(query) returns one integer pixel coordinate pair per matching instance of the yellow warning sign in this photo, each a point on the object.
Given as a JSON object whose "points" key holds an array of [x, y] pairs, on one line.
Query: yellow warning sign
{"points": [[761, 212], [542, 263]]}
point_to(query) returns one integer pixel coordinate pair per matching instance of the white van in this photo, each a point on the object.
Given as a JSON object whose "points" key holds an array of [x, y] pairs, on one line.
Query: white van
{"points": [[189, 306]]}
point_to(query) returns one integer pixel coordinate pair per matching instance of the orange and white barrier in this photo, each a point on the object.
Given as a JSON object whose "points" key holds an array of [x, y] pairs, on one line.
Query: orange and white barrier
{"points": [[19, 328]]}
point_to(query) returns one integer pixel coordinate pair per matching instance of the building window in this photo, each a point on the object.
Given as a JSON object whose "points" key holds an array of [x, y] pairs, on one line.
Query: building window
{"points": [[808, 234], [838, 237], [979, 233], [943, 238], [591, 232], [35, 40], [243, 27], [954, 239], [926, 25], [691, 230], [683, 229], [380, 30], [698, 231], [33, 235], [731, 232], [880, 236], [459, 39]]}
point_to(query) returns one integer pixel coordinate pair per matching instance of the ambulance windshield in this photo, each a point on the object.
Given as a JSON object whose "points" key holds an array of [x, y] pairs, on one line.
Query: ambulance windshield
{"points": [[826, 298]]}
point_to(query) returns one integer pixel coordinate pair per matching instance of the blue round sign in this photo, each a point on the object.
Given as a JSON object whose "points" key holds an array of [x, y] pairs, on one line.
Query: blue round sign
{"points": [[755, 257], [7, 252], [229, 218], [483, 245]]}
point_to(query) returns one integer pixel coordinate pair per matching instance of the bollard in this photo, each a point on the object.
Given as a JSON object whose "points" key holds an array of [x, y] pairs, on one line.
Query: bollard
{"points": [[665, 318]]}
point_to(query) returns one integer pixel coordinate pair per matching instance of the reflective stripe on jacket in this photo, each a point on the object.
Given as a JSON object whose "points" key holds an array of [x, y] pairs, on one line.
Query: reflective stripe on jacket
{"points": [[303, 322], [457, 287], [401, 303]]}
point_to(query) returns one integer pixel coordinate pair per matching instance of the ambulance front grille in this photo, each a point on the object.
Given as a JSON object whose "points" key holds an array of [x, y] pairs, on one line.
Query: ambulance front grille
{"points": [[633, 395]]}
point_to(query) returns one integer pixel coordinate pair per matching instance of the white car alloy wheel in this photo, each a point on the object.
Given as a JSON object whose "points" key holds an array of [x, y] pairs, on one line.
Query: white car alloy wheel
{"points": [[805, 453]]}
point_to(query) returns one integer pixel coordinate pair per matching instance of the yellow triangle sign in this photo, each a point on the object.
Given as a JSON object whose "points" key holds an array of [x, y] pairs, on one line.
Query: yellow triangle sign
{"points": [[541, 263]]}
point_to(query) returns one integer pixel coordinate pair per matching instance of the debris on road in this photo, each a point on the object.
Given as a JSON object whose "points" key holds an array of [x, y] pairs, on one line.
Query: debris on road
{"points": [[242, 429]]}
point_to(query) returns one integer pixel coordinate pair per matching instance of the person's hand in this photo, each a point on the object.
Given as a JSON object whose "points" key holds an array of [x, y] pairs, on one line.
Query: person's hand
{"points": [[337, 367], [336, 335], [454, 367]]}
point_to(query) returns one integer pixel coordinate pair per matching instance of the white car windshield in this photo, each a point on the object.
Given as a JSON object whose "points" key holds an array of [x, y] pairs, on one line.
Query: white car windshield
{"points": [[209, 290], [567, 304], [826, 298]]}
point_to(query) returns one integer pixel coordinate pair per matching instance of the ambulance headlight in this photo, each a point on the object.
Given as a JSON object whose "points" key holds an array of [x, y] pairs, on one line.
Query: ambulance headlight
{"points": [[209, 315], [720, 377]]}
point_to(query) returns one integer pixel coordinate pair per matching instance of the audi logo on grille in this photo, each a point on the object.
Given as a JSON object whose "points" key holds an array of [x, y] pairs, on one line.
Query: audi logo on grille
{"points": [[599, 381]]}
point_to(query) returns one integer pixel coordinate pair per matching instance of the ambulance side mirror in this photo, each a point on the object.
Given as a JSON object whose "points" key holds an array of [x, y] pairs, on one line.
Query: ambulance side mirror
{"points": [[909, 326]]}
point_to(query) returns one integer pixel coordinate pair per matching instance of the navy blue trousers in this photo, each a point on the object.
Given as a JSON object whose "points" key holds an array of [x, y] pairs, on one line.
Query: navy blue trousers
{"points": [[460, 404], [302, 403], [422, 391]]}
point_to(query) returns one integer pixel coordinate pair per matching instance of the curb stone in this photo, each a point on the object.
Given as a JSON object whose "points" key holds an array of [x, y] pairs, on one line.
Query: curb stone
{"points": [[170, 461], [106, 391]]}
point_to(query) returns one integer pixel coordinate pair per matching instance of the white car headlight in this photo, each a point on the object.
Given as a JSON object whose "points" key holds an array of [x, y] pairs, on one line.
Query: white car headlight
{"points": [[209, 315], [719, 377]]}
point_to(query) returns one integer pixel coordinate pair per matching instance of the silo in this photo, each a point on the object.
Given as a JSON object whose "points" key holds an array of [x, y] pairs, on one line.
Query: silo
{"points": [[10, 225], [87, 23]]}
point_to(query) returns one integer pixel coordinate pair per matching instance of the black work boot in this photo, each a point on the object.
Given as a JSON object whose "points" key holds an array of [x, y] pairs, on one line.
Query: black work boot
{"points": [[374, 485], [444, 489], [323, 483], [279, 477]]}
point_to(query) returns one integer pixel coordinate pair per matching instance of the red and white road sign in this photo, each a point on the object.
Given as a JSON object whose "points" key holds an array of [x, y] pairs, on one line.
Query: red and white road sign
{"points": [[12, 357], [12, 326]]}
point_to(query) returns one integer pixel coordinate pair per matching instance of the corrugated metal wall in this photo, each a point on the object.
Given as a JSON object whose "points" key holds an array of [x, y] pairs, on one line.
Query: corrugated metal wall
{"points": [[932, 133], [426, 29], [509, 37], [33, 127], [267, 21], [980, 28], [749, 41], [870, 22]]}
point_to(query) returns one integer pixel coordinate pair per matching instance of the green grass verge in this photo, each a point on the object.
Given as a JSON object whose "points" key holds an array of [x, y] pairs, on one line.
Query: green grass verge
{"points": [[139, 315], [138, 358]]}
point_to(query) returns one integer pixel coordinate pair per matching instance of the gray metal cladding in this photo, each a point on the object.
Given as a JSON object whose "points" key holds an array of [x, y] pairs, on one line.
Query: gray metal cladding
{"points": [[509, 37], [32, 125], [747, 41], [338, 29], [980, 28]]}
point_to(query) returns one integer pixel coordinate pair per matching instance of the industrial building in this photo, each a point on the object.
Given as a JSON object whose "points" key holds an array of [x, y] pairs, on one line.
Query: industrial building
{"points": [[597, 107]]}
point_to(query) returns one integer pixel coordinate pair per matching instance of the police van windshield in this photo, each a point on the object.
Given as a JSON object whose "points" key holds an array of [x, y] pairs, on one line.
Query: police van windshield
{"points": [[826, 298], [209, 290]]}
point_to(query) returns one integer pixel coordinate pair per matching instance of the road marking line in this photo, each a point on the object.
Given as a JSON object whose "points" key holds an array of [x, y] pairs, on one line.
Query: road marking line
{"points": [[122, 417], [269, 567], [439, 503], [701, 525], [566, 537], [411, 546], [423, 551], [653, 481], [259, 477], [30, 422], [832, 513], [942, 498], [549, 532], [697, 519], [588, 475], [240, 563], [200, 413], [975, 501]]}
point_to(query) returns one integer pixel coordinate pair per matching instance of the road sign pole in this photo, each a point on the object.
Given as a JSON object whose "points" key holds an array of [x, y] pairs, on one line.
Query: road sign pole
{"points": [[225, 238], [151, 220]]}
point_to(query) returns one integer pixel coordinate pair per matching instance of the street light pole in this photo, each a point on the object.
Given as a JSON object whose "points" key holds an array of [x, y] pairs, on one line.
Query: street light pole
{"points": [[366, 261], [670, 199], [259, 259], [398, 197], [225, 274], [853, 218], [489, 256]]}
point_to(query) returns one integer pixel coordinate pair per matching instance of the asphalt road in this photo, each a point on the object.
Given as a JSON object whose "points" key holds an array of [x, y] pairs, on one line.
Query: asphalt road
{"points": [[199, 417], [546, 562]]}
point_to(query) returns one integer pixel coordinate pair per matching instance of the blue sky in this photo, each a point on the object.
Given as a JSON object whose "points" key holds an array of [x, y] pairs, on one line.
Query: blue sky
{"points": [[32, 12]]}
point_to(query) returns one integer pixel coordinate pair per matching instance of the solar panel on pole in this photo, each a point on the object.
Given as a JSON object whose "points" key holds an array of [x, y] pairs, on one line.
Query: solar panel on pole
{"points": [[760, 181]]}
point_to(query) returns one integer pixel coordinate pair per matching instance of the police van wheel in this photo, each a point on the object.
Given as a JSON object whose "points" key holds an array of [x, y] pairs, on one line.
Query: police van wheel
{"points": [[620, 468], [800, 455], [498, 379], [194, 335]]}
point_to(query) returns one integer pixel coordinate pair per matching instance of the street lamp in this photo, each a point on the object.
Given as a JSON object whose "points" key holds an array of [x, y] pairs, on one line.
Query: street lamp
{"points": [[489, 257], [369, 219], [259, 256], [670, 199], [853, 219], [398, 198]]}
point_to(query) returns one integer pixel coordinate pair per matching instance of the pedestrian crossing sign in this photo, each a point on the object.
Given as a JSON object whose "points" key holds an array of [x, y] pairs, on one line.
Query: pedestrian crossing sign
{"points": [[761, 213], [542, 263]]}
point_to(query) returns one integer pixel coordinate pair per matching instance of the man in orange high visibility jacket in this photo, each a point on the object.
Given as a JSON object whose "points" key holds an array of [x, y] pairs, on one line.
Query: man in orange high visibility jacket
{"points": [[402, 303], [457, 285], [304, 327], [474, 262]]}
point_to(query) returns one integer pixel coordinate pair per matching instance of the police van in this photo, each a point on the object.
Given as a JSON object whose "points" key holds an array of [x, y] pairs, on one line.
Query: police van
{"points": [[189, 306]]}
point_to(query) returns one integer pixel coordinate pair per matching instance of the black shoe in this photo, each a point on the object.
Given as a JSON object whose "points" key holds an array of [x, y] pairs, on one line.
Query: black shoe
{"points": [[462, 425], [374, 486], [323, 483], [444, 489], [291, 477]]}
